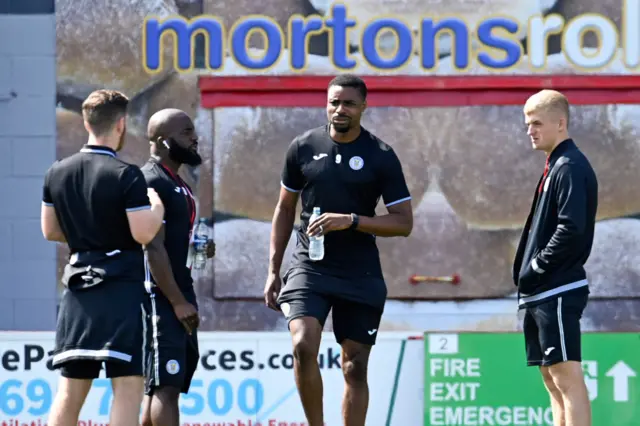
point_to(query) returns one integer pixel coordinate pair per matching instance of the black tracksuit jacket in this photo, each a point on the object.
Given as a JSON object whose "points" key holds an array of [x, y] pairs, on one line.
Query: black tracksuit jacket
{"points": [[558, 235]]}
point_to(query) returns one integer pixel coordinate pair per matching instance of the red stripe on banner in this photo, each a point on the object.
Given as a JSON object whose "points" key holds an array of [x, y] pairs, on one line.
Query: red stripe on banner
{"points": [[418, 91], [410, 83], [415, 98]]}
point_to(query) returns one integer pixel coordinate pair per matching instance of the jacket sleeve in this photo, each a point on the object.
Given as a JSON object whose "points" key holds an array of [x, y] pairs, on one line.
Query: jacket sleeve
{"points": [[571, 200]]}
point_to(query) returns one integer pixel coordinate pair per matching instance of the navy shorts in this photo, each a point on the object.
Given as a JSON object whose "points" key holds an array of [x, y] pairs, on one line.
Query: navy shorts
{"points": [[173, 354], [89, 370], [352, 320], [552, 330], [101, 325]]}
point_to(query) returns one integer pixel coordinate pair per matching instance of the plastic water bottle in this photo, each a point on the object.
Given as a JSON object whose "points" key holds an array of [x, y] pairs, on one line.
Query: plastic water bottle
{"points": [[200, 244], [316, 244]]}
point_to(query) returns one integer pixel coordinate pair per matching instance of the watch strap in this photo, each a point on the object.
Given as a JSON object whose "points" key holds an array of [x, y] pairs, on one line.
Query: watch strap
{"points": [[355, 219]]}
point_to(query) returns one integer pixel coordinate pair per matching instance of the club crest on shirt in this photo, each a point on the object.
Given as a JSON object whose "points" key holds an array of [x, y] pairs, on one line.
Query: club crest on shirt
{"points": [[356, 163], [173, 366]]}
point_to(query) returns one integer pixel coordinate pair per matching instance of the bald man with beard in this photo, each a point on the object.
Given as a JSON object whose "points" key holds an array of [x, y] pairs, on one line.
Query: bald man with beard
{"points": [[173, 343]]}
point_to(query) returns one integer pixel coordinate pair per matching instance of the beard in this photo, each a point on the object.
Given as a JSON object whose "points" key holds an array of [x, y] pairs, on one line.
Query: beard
{"points": [[183, 155], [341, 127]]}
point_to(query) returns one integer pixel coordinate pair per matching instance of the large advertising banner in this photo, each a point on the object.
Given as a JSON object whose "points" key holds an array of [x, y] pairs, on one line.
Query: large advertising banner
{"points": [[243, 379], [470, 168], [474, 379], [443, 379]]}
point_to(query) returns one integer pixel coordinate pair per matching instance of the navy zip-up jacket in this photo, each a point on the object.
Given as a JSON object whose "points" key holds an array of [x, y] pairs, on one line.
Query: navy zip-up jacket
{"points": [[558, 235]]}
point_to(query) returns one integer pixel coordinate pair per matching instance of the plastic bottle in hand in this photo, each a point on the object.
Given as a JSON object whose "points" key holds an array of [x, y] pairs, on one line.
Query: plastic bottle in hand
{"points": [[316, 244], [200, 244]]}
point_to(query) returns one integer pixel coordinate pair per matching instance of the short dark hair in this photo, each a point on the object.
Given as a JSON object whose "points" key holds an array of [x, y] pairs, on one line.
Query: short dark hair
{"points": [[102, 109], [350, 80]]}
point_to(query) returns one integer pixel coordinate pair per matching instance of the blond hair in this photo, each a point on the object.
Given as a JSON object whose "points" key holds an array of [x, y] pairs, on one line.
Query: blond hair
{"points": [[548, 101]]}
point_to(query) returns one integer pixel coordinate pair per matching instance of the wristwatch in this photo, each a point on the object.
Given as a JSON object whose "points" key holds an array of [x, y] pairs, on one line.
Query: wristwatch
{"points": [[354, 221]]}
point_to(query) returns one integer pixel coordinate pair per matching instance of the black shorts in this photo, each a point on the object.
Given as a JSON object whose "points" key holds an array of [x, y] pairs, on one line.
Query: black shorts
{"points": [[351, 320], [87, 369], [102, 324], [173, 354], [552, 330]]}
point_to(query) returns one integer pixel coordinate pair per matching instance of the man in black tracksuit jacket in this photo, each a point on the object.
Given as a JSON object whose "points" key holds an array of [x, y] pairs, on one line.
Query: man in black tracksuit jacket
{"points": [[549, 264], [558, 235]]}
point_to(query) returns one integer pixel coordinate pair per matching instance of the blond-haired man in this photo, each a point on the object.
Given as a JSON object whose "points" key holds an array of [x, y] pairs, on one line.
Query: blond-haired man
{"points": [[549, 265]]}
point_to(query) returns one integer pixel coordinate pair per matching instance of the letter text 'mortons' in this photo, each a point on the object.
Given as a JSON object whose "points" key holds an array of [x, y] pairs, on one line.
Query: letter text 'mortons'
{"points": [[631, 33], [512, 48], [404, 45], [539, 29], [339, 25], [182, 32], [300, 28], [429, 40], [573, 36], [272, 36]]}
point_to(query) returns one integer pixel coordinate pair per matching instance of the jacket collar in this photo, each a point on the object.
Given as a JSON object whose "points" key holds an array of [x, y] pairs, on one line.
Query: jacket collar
{"points": [[563, 147]]}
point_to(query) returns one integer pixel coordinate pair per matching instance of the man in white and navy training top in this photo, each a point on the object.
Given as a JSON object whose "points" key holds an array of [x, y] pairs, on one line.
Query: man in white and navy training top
{"points": [[100, 206], [345, 170], [549, 264]]}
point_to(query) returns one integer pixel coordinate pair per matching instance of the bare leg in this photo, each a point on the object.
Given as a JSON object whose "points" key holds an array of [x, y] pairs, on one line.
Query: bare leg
{"points": [[127, 397], [164, 409], [68, 402], [355, 359], [557, 404], [146, 411], [306, 333], [568, 378]]}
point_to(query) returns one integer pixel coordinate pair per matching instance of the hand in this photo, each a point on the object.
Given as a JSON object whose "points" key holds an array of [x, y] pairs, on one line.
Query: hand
{"points": [[211, 249], [187, 314], [528, 278], [272, 290], [328, 222], [154, 198]]}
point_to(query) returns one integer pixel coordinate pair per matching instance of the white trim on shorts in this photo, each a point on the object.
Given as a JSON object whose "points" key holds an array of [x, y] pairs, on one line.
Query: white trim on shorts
{"points": [[563, 345], [144, 337], [101, 354], [91, 354], [148, 285], [156, 345]]}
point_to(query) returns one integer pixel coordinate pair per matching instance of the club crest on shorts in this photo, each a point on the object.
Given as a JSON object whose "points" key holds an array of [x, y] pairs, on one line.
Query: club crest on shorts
{"points": [[286, 309], [356, 163], [173, 367]]}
